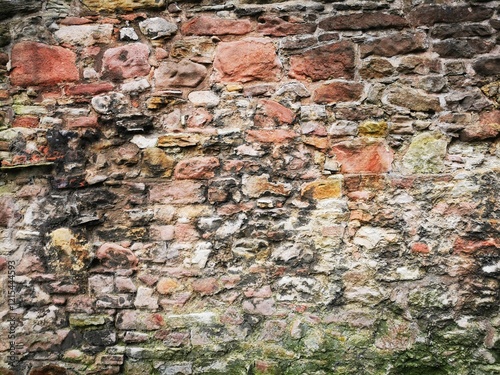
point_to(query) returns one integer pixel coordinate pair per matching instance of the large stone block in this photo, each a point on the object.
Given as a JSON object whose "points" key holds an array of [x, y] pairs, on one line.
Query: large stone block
{"points": [[256, 61], [363, 21], [36, 64], [128, 61], [334, 60], [364, 156]]}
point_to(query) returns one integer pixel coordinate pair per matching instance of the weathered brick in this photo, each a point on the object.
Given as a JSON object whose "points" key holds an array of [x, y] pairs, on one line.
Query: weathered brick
{"points": [[205, 25], [363, 21], [334, 60], [257, 61], [338, 92], [40, 64]]}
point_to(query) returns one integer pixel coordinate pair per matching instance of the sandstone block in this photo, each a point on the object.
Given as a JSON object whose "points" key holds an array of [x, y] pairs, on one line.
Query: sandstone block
{"points": [[426, 153], [113, 256], [271, 136], [363, 21], [197, 168], [276, 26], [205, 25], [414, 100], [376, 68], [273, 114], [256, 186], [204, 98], [183, 74], [123, 5], [257, 61], [487, 66], [334, 60], [338, 92], [462, 48], [89, 88], [363, 156], [323, 189], [157, 163], [394, 44], [84, 35], [432, 14], [487, 127], [40, 64], [178, 192], [157, 27], [128, 61]]}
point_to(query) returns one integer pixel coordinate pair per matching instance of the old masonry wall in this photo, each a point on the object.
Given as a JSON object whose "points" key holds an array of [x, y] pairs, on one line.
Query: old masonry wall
{"points": [[249, 187]]}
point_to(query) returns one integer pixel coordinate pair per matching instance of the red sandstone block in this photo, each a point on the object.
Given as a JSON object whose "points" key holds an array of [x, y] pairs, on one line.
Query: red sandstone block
{"points": [[26, 122], [197, 168], [40, 64], [363, 156], [207, 286], [89, 89], [82, 122], [431, 14], [363, 21], [256, 61], [468, 246], [334, 60], [338, 92], [272, 113], [487, 127], [205, 25], [178, 192]]}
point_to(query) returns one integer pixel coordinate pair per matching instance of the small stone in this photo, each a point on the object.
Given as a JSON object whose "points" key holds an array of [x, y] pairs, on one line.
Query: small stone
{"points": [[426, 153], [205, 25], [277, 26], [39, 64], [114, 102], [127, 154], [144, 142], [145, 299], [183, 74], [363, 155], [487, 66], [257, 61], [338, 92], [136, 86], [196, 168], [297, 88], [273, 114], [377, 68], [167, 286], [204, 98], [197, 49], [128, 61], [157, 27], [334, 60], [89, 89], [84, 35], [206, 287], [128, 33]]}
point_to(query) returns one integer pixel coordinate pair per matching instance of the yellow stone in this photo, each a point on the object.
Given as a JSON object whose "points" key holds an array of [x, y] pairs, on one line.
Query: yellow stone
{"points": [[323, 189], [234, 87], [373, 128], [127, 5]]}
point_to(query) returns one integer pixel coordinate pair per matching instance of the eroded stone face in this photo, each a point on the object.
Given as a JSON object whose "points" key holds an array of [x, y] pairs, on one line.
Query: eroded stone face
{"points": [[127, 61]]}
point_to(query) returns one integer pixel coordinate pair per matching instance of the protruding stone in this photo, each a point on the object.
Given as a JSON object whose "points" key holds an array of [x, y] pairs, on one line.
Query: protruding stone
{"points": [[183, 74], [257, 61], [128, 61], [205, 25], [334, 60], [157, 27], [197, 168], [363, 155], [426, 153], [40, 64]]}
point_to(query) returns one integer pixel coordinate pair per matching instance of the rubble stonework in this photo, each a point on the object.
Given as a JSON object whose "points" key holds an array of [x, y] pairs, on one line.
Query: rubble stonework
{"points": [[249, 187]]}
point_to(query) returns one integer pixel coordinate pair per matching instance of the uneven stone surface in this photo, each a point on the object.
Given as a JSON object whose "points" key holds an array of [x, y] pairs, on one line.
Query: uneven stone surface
{"points": [[249, 187]]}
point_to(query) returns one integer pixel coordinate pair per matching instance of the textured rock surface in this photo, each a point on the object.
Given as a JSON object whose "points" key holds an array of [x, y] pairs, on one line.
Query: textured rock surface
{"points": [[249, 187]]}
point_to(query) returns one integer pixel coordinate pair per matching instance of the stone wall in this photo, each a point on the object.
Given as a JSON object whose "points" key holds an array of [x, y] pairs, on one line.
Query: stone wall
{"points": [[249, 187]]}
